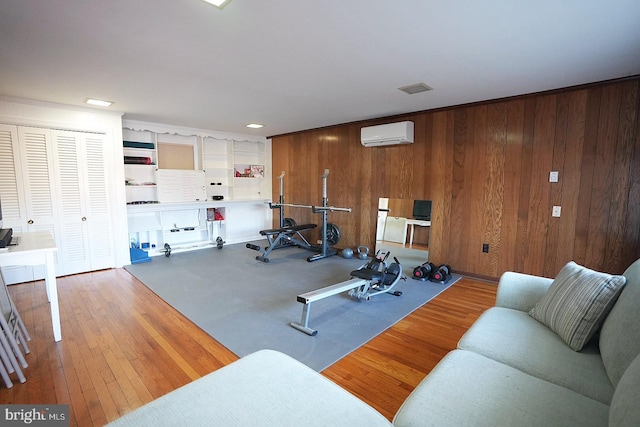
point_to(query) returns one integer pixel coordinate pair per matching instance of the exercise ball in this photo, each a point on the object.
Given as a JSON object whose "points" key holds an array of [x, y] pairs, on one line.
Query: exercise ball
{"points": [[347, 253]]}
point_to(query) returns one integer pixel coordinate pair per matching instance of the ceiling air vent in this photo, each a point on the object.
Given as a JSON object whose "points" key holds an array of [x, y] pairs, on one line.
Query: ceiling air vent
{"points": [[416, 88]]}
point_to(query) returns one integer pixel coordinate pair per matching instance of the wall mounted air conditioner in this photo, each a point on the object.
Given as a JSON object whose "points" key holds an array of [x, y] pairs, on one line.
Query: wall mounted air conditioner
{"points": [[390, 134]]}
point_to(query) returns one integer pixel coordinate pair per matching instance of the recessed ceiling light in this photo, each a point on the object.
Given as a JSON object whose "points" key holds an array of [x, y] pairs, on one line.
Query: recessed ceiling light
{"points": [[218, 3], [415, 88], [98, 102], [255, 125]]}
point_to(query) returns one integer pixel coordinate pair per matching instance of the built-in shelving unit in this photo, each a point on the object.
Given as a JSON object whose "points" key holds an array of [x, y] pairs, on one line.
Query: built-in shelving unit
{"points": [[184, 226], [218, 163], [140, 180], [187, 225], [248, 171], [235, 170]]}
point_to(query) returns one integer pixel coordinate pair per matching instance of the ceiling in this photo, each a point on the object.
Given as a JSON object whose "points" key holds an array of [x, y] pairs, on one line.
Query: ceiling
{"points": [[294, 64]]}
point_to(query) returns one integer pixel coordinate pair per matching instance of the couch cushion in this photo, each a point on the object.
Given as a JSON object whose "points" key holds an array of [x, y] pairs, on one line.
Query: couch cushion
{"points": [[514, 338], [620, 334], [625, 411], [265, 388], [577, 303], [467, 389]]}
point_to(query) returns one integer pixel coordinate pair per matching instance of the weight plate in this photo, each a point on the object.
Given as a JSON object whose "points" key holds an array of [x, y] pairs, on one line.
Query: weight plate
{"points": [[288, 222], [333, 234]]}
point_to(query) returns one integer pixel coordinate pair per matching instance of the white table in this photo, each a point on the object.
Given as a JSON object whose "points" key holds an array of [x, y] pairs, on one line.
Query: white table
{"points": [[37, 248], [419, 223]]}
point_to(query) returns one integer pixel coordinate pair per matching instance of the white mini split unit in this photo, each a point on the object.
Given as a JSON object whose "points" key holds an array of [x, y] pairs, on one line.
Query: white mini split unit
{"points": [[390, 134]]}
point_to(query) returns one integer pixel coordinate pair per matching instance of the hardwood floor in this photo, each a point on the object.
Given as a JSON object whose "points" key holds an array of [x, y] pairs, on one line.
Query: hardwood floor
{"points": [[122, 346]]}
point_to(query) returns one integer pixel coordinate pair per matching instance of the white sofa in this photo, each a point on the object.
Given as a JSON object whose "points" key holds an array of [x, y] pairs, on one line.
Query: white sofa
{"points": [[509, 370], [512, 370]]}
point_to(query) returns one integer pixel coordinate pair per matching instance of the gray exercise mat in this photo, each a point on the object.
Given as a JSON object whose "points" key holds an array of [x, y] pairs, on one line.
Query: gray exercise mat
{"points": [[247, 305]]}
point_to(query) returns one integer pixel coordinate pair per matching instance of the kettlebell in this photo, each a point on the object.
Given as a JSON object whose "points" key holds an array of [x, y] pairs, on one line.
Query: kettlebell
{"points": [[347, 253], [363, 252]]}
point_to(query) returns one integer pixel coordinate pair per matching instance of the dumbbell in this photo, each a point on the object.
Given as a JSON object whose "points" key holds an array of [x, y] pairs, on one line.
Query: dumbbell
{"points": [[441, 273], [424, 271]]}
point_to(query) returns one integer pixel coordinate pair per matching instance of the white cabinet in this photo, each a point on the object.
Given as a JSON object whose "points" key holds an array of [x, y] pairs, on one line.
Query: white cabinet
{"points": [[58, 181]]}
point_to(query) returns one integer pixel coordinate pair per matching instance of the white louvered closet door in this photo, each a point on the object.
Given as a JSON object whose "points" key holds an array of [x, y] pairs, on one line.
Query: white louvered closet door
{"points": [[38, 176], [83, 195], [12, 195], [11, 189], [31, 200]]}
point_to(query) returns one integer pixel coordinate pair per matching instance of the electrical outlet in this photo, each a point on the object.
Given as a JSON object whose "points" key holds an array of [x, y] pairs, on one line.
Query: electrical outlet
{"points": [[555, 212], [485, 248], [553, 176]]}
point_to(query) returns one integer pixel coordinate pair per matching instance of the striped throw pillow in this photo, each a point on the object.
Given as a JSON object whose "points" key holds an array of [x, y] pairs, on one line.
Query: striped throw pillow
{"points": [[577, 303]]}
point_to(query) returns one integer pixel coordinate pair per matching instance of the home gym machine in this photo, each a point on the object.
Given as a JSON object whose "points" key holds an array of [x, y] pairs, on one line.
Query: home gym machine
{"points": [[370, 279], [289, 233]]}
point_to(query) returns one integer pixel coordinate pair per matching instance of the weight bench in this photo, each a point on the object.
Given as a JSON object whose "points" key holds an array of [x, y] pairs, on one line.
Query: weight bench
{"points": [[318, 294], [282, 237]]}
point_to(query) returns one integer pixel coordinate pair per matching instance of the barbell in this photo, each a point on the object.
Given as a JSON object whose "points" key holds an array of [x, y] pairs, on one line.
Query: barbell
{"points": [[315, 209]]}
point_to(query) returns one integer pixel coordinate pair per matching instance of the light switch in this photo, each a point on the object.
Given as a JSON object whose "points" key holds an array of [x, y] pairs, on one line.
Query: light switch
{"points": [[556, 211], [553, 176]]}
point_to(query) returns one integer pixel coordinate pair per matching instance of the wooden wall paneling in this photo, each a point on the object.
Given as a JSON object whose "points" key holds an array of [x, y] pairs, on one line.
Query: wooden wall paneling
{"points": [[523, 233], [281, 149], [305, 180], [441, 194], [443, 142], [465, 202], [511, 179], [569, 180], [421, 164], [281, 155], [555, 189], [494, 185], [420, 161], [540, 209], [475, 259], [632, 231], [448, 230], [486, 168], [370, 191], [603, 176], [342, 182], [586, 174], [460, 215], [428, 138], [618, 214], [401, 162], [344, 186]]}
